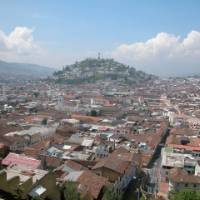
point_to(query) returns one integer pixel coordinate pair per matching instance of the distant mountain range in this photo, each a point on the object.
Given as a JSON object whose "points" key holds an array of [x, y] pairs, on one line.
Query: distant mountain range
{"points": [[92, 70], [23, 71]]}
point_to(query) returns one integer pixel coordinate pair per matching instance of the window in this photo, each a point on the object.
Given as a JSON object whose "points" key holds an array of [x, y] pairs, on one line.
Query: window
{"points": [[194, 185], [186, 185]]}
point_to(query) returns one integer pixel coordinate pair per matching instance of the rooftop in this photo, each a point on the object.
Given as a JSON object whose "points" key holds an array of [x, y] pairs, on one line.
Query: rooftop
{"points": [[21, 160]]}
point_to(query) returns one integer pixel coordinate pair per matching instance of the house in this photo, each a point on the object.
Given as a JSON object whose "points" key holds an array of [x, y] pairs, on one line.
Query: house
{"points": [[36, 149], [67, 167], [54, 152], [51, 162], [21, 160], [89, 184], [119, 167], [21, 139], [185, 144], [16, 180], [181, 179], [180, 160], [103, 150]]}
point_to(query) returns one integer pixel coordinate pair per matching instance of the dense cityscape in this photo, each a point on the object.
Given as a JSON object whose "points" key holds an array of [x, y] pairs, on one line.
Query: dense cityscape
{"points": [[99, 100], [113, 141]]}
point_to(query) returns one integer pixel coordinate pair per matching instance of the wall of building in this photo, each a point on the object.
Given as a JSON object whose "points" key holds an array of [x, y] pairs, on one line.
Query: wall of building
{"points": [[179, 186], [111, 175], [49, 182], [10, 186]]}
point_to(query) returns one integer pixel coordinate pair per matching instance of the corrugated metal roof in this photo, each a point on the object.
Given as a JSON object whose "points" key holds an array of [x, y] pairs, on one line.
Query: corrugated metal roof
{"points": [[37, 191]]}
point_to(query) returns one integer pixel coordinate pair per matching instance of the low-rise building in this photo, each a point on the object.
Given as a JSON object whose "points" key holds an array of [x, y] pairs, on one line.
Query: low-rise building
{"points": [[18, 180], [180, 179], [119, 167], [20, 160]]}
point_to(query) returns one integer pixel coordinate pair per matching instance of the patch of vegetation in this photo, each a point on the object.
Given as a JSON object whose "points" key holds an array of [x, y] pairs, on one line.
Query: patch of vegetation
{"points": [[109, 194], [93, 70], [185, 194], [70, 191]]}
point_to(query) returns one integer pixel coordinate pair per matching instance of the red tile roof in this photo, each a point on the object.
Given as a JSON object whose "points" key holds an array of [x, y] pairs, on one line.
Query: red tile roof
{"points": [[92, 183], [182, 131], [74, 165], [53, 161], [21, 160], [118, 161]]}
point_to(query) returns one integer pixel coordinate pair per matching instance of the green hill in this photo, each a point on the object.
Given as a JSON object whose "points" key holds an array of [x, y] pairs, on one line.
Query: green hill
{"points": [[93, 70]]}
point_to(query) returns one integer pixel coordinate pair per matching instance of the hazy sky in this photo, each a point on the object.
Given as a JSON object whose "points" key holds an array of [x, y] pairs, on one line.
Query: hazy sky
{"points": [[156, 36]]}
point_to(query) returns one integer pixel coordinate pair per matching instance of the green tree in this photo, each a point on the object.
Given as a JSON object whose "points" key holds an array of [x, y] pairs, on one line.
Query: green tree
{"points": [[36, 94], [185, 194], [37, 198], [70, 192], [19, 192], [109, 194], [93, 113], [44, 121]]}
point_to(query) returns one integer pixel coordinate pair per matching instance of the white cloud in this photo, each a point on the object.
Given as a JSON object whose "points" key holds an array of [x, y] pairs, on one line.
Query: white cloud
{"points": [[163, 54], [20, 46], [19, 41]]}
